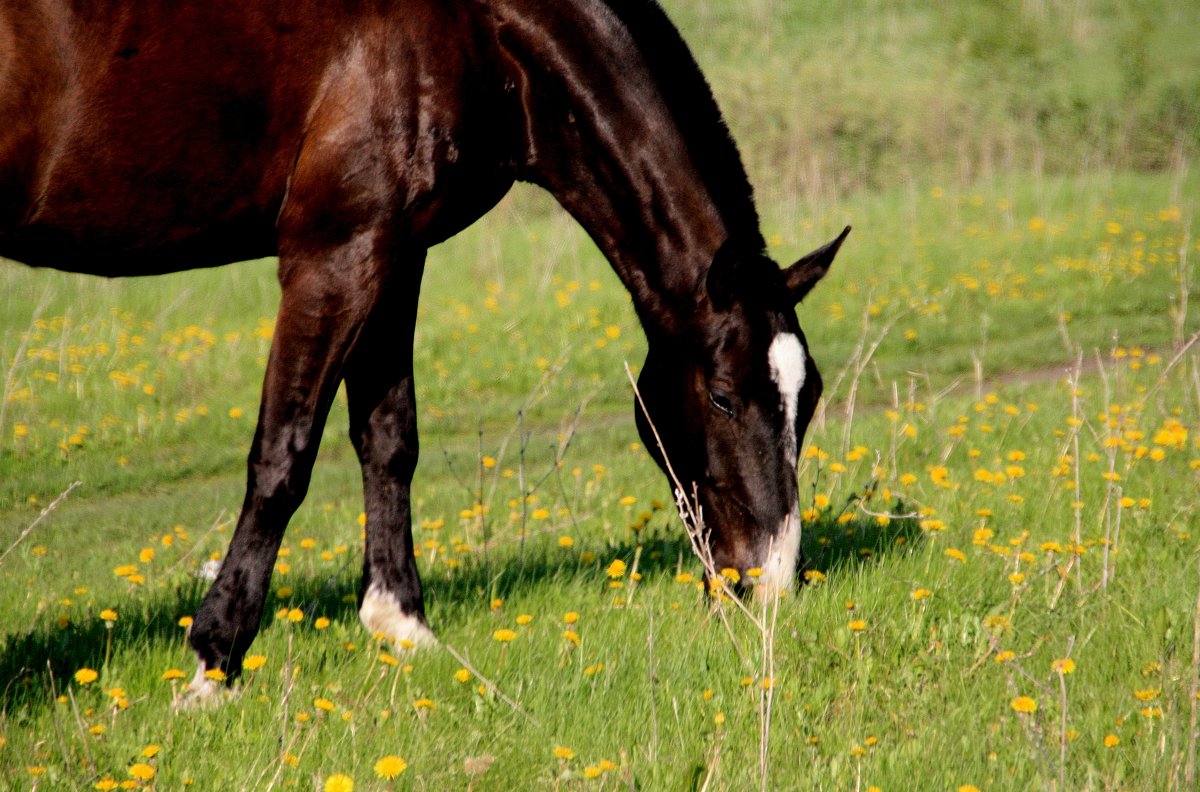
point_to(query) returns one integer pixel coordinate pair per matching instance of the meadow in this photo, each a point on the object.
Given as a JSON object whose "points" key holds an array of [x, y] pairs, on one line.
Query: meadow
{"points": [[1002, 536]]}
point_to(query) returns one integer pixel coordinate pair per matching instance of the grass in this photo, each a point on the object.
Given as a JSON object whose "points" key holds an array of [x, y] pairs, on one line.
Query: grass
{"points": [[980, 509]]}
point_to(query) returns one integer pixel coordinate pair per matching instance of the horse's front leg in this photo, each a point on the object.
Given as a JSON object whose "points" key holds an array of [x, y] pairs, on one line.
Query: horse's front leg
{"points": [[327, 300], [383, 428]]}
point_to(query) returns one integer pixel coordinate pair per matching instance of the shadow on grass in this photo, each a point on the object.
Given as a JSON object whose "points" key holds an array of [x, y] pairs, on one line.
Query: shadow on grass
{"points": [[38, 665], [832, 547]]}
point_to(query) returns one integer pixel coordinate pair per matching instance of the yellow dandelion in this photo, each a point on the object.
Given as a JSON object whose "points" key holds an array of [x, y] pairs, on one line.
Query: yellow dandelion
{"points": [[591, 771], [108, 614], [254, 662], [857, 625], [1111, 741], [503, 635], [390, 766], [172, 674], [86, 676], [616, 569], [462, 675], [215, 674], [185, 621], [321, 623], [324, 704], [1023, 704], [565, 541], [571, 636], [563, 752], [339, 782], [141, 771], [920, 594], [570, 617], [1063, 665]]}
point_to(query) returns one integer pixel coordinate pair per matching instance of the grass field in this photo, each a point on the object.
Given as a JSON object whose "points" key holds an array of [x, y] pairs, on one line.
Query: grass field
{"points": [[1002, 533]]}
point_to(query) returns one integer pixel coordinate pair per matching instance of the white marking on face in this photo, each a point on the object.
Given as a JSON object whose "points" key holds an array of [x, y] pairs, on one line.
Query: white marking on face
{"points": [[787, 361], [381, 613], [779, 572]]}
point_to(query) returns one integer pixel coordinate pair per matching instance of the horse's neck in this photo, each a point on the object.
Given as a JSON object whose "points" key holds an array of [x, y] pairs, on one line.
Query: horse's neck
{"points": [[604, 142]]}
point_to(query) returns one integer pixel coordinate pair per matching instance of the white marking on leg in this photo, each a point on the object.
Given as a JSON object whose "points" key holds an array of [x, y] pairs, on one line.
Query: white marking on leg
{"points": [[779, 572], [201, 692], [381, 613], [787, 359]]}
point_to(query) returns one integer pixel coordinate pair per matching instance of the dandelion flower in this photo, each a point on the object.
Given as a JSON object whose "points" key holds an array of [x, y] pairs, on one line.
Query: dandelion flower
{"points": [[857, 625], [390, 766], [339, 782], [616, 569], [563, 752], [321, 623], [254, 662], [1023, 704], [86, 676], [141, 771], [172, 674], [1111, 741], [503, 635], [462, 675], [1063, 665], [324, 704], [215, 674], [108, 614]]}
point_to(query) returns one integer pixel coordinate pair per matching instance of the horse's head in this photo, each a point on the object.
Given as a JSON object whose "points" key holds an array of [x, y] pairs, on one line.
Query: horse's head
{"points": [[730, 398]]}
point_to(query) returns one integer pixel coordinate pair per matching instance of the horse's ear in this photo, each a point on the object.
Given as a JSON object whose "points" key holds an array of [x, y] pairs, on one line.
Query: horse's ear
{"points": [[722, 278], [804, 274]]}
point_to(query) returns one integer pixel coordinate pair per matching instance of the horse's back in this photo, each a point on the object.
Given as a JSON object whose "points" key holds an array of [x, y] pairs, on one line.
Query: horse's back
{"points": [[141, 136]]}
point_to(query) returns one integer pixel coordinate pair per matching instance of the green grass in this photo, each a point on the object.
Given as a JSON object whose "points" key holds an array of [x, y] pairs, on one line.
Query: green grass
{"points": [[952, 471]]}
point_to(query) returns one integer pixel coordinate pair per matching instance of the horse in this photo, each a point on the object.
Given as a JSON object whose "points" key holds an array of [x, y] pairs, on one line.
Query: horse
{"points": [[347, 138]]}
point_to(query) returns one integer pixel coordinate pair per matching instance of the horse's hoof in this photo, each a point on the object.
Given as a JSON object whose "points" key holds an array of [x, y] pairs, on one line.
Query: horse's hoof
{"points": [[381, 615], [203, 692]]}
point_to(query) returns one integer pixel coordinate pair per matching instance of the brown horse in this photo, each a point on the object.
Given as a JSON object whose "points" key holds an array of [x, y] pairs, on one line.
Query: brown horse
{"points": [[347, 137]]}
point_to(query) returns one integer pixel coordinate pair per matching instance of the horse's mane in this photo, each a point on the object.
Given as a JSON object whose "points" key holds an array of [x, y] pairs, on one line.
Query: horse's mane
{"points": [[690, 102]]}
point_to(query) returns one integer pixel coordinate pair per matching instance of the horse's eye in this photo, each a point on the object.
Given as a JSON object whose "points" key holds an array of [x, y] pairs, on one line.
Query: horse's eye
{"points": [[722, 401]]}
